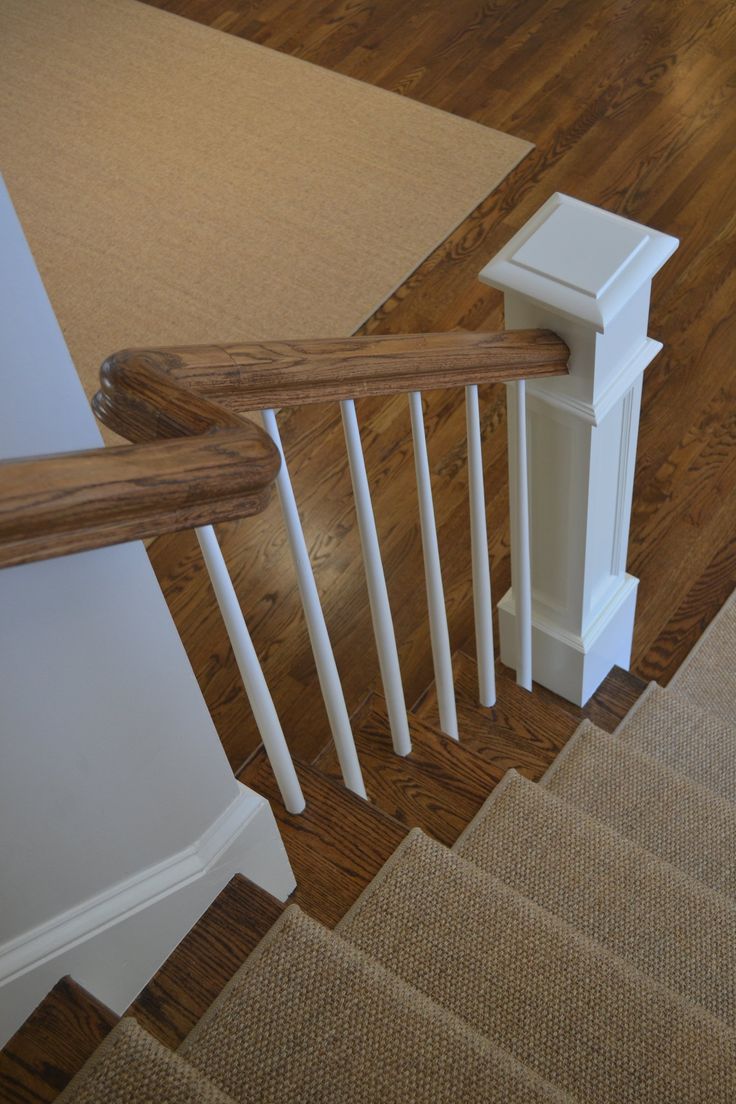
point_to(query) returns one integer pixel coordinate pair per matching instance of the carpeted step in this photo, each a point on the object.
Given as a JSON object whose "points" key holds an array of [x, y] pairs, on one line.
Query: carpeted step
{"points": [[310, 1018], [131, 1067], [667, 925], [707, 678], [690, 740], [650, 804], [560, 1002]]}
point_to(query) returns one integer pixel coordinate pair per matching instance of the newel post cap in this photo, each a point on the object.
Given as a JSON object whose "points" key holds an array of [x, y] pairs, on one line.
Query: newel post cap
{"points": [[579, 260]]}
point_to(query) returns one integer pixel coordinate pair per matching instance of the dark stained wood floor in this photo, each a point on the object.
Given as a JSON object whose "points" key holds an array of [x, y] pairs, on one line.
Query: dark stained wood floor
{"points": [[631, 106]]}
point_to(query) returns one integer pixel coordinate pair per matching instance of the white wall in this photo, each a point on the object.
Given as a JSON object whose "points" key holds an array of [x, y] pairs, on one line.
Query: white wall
{"points": [[110, 766]]}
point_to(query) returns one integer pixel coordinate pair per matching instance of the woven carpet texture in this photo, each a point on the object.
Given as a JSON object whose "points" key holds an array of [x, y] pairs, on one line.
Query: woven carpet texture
{"points": [[359, 1034], [669, 926], [708, 676], [130, 1067], [654, 806], [576, 944], [559, 1001], [179, 185]]}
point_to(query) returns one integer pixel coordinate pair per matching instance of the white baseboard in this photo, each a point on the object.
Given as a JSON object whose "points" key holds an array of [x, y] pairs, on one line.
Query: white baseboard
{"points": [[112, 944]]}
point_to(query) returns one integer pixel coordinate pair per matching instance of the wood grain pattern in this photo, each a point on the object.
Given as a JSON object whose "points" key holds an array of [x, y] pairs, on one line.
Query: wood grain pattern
{"points": [[216, 467], [54, 505], [294, 373], [631, 106], [526, 731], [205, 960], [54, 1042], [74, 501], [438, 788], [336, 846]]}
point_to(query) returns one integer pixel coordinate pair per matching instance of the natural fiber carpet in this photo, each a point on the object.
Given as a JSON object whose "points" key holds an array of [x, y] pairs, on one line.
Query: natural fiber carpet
{"points": [[309, 1017], [557, 1000], [179, 185], [702, 745], [652, 805], [577, 944], [708, 676], [130, 1067], [670, 927]]}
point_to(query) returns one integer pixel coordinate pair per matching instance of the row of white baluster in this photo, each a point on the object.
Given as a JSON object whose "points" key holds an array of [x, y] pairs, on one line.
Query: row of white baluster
{"points": [[254, 681]]}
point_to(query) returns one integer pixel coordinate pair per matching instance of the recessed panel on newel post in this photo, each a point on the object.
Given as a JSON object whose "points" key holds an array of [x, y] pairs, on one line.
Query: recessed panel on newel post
{"points": [[585, 274]]}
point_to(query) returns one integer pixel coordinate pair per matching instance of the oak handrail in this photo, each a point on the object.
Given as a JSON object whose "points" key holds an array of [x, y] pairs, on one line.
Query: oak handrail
{"points": [[195, 461], [213, 467], [260, 375]]}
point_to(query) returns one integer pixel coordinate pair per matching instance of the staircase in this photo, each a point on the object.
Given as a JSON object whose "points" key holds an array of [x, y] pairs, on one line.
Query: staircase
{"points": [[568, 938]]}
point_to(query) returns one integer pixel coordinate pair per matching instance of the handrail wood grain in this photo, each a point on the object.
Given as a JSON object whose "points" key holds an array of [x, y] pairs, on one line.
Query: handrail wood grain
{"points": [[195, 460], [259, 375], [210, 466]]}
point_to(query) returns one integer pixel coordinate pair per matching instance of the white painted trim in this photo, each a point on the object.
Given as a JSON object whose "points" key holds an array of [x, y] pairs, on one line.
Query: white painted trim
{"points": [[579, 642], [542, 283], [594, 413], [92, 917], [570, 664]]}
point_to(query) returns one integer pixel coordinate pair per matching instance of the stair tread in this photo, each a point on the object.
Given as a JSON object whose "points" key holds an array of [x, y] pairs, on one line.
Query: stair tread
{"points": [[344, 1029], [708, 675], [669, 727], [525, 731], [438, 788], [652, 805], [335, 846], [53, 1043], [558, 1001], [205, 960], [671, 927], [130, 1067]]}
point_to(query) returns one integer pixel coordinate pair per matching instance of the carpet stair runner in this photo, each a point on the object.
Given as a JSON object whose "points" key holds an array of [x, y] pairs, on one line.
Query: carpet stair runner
{"points": [[577, 943]]}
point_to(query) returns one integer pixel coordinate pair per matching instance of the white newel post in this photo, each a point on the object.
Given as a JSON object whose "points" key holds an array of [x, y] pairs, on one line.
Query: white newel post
{"points": [[585, 274]]}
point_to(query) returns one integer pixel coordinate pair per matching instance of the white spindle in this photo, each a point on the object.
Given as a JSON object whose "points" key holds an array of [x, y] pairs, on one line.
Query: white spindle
{"points": [[479, 553], [258, 693], [383, 627], [521, 556], [327, 673], [438, 631]]}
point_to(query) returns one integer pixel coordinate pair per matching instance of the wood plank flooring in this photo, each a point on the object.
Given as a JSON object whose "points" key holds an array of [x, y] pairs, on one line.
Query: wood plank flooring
{"points": [[54, 1042], [198, 969], [631, 106]]}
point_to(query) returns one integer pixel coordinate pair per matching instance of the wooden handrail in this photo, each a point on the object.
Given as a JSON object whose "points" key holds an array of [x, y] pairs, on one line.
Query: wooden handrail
{"points": [[260, 375], [215, 467], [196, 461]]}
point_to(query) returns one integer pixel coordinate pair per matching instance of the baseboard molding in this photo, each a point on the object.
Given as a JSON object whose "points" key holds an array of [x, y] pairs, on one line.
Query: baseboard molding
{"points": [[570, 664], [114, 942]]}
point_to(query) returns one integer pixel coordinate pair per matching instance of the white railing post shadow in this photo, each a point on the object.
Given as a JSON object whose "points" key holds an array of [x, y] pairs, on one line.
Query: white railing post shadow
{"points": [[585, 274]]}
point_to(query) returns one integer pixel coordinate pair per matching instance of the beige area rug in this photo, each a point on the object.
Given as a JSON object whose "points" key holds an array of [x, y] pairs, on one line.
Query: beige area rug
{"points": [[179, 185]]}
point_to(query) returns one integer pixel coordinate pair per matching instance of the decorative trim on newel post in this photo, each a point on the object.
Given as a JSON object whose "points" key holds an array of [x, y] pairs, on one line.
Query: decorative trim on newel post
{"points": [[586, 274]]}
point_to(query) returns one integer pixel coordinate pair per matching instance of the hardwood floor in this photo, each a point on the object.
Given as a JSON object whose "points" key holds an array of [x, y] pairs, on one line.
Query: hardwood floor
{"points": [[630, 106]]}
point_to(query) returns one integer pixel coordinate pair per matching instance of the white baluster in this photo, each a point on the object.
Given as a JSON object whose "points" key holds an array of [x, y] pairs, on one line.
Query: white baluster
{"points": [[258, 693], [521, 555], [327, 673], [383, 627], [479, 553], [438, 631]]}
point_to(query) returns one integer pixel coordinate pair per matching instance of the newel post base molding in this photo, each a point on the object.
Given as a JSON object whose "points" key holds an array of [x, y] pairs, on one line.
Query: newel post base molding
{"points": [[585, 274]]}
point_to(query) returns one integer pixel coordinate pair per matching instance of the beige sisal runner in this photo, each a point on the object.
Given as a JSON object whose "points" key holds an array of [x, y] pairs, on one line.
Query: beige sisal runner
{"points": [[181, 185]]}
